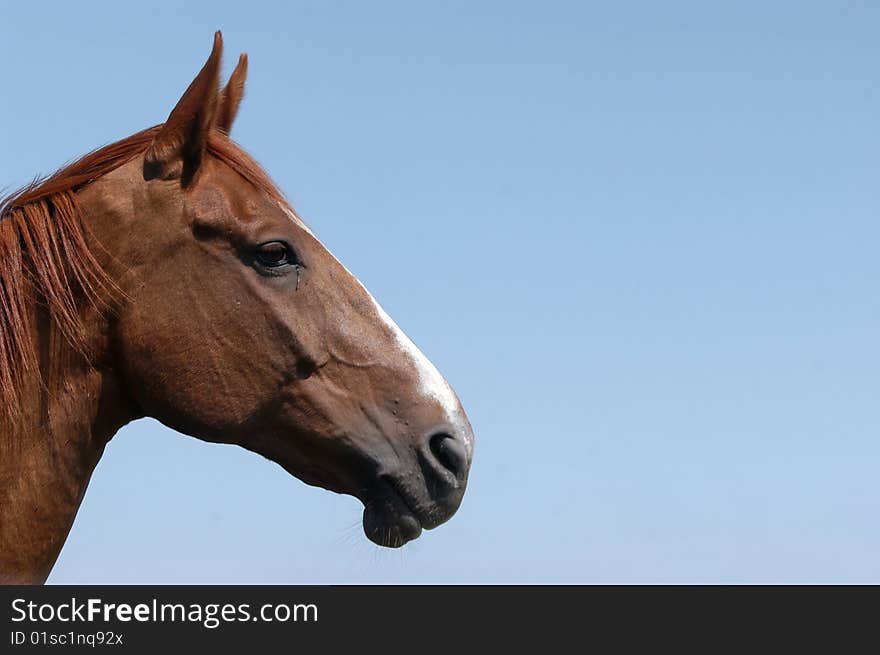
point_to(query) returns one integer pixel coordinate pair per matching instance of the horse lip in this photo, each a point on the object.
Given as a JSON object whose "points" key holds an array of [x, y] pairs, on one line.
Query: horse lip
{"points": [[389, 518], [428, 513], [394, 487]]}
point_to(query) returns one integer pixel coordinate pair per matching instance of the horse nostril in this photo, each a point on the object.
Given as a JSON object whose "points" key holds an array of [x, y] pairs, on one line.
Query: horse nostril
{"points": [[450, 452]]}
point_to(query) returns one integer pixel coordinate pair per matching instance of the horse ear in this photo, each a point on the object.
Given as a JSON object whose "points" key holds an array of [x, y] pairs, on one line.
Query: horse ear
{"points": [[231, 95], [178, 148]]}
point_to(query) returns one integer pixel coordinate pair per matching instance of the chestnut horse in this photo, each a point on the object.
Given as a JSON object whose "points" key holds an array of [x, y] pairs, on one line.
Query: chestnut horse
{"points": [[166, 276]]}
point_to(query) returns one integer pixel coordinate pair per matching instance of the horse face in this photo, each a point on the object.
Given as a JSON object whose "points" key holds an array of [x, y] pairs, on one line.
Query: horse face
{"points": [[247, 330]]}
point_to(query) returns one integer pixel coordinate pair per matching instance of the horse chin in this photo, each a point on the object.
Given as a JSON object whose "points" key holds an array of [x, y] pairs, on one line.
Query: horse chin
{"points": [[389, 521]]}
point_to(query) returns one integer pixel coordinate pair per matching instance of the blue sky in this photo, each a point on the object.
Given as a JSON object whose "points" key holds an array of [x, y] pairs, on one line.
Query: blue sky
{"points": [[639, 238]]}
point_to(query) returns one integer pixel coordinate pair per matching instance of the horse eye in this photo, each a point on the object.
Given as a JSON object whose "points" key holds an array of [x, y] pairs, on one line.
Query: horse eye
{"points": [[275, 253]]}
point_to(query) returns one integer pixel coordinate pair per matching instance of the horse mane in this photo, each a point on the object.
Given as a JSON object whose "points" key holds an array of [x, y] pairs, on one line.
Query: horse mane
{"points": [[45, 258]]}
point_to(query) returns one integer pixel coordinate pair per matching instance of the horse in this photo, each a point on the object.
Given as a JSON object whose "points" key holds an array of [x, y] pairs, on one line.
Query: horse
{"points": [[166, 276]]}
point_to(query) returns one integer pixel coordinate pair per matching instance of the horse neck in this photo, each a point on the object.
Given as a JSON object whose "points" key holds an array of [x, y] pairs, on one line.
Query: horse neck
{"points": [[70, 412]]}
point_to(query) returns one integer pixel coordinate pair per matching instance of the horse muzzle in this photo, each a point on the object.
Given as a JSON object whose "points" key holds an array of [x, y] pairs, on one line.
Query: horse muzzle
{"points": [[406, 500]]}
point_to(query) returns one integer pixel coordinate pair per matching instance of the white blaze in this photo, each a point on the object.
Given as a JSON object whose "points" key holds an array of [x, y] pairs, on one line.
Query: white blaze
{"points": [[432, 384], [297, 220]]}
